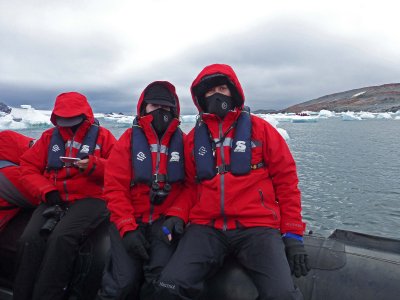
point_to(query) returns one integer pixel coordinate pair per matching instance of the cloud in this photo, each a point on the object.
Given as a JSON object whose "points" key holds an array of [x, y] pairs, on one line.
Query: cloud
{"points": [[52, 60], [284, 62], [280, 62]]}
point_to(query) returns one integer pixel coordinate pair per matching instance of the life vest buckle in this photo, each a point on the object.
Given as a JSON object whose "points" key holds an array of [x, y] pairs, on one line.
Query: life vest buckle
{"points": [[221, 169], [159, 178]]}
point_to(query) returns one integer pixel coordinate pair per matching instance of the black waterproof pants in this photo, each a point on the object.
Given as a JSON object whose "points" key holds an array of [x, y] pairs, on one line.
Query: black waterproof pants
{"points": [[202, 250], [128, 277], [46, 262]]}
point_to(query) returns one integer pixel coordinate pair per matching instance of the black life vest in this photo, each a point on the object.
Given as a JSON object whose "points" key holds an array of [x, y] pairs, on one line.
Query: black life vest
{"points": [[9, 192], [57, 147], [142, 163], [240, 153]]}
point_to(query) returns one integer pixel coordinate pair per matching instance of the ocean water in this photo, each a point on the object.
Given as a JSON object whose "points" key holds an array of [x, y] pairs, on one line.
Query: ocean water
{"points": [[348, 171], [349, 174]]}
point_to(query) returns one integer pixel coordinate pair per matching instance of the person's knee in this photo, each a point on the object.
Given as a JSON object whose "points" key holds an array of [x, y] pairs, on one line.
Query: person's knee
{"points": [[166, 286], [61, 240], [30, 238], [165, 290], [173, 288]]}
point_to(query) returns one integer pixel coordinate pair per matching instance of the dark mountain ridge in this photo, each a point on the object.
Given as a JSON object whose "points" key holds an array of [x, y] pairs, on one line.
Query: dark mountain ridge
{"points": [[382, 98], [4, 108]]}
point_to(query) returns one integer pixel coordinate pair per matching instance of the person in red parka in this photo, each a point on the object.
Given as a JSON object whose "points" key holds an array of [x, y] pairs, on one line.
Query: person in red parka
{"points": [[143, 178], [247, 202], [13, 195], [70, 194]]}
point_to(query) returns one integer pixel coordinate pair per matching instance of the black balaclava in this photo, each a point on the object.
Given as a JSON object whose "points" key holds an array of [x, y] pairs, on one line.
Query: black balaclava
{"points": [[161, 120], [218, 104]]}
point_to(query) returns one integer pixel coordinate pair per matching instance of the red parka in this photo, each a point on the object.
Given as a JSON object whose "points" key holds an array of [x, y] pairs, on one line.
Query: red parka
{"points": [[71, 182], [129, 203], [267, 196], [12, 146]]}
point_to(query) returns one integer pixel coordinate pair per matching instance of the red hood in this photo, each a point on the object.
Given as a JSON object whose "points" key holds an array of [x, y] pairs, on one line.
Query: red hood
{"points": [[71, 104], [169, 86], [13, 145], [218, 69]]}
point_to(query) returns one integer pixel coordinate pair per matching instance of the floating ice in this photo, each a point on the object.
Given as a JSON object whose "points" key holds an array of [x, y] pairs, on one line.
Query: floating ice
{"points": [[25, 117], [366, 115], [283, 133], [126, 120], [350, 116], [8, 122], [119, 118], [326, 114], [283, 117], [385, 116], [188, 118], [274, 122], [304, 119], [270, 119]]}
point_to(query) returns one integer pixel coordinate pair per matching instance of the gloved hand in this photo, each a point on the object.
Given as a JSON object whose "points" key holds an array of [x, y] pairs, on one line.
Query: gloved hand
{"points": [[297, 256], [136, 244], [172, 227], [53, 198]]}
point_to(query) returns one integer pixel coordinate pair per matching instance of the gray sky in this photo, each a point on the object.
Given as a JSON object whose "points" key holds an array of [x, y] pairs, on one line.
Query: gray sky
{"points": [[284, 52]]}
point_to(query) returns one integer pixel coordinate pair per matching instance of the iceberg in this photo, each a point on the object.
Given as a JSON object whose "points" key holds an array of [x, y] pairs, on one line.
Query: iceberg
{"points": [[118, 118], [283, 133], [274, 122], [270, 119], [280, 117], [366, 115], [188, 118], [326, 114], [385, 116], [304, 119], [25, 117], [8, 122], [350, 116]]}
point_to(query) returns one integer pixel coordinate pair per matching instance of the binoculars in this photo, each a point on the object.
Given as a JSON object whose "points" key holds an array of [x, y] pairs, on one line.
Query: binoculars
{"points": [[53, 215], [158, 194]]}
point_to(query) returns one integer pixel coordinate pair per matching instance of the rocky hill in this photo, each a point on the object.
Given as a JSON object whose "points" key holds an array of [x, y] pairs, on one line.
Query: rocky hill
{"points": [[4, 108], [382, 98]]}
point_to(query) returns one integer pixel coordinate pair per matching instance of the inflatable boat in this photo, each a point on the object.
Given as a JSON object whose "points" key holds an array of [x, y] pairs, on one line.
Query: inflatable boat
{"points": [[345, 265]]}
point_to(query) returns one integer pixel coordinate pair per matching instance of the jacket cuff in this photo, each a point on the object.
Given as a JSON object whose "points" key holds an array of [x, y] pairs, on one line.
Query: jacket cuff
{"points": [[46, 190], [293, 227], [292, 236], [179, 214], [92, 165], [126, 227]]}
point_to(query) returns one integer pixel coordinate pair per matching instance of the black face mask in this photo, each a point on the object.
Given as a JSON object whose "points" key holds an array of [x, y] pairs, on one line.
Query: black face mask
{"points": [[161, 120], [219, 104]]}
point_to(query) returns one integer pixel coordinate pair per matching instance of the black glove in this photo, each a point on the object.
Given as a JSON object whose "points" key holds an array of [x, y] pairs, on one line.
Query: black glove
{"points": [[53, 198], [136, 244], [173, 226], [297, 256]]}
